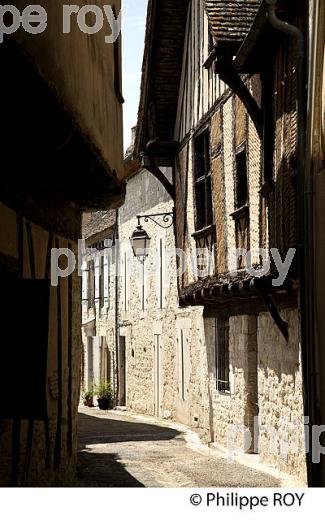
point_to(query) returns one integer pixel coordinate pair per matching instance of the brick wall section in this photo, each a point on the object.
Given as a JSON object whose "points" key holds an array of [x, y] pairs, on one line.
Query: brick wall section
{"points": [[218, 190], [216, 130], [219, 211], [240, 122], [282, 219], [228, 158], [254, 155]]}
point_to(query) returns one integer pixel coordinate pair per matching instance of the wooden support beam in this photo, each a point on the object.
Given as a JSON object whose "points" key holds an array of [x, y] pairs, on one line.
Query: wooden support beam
{"points": [[156, 172], [230, 76], [271, 307]]}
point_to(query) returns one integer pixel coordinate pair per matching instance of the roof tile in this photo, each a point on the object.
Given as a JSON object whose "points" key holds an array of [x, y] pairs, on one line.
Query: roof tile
{"points": [[231, 20]]}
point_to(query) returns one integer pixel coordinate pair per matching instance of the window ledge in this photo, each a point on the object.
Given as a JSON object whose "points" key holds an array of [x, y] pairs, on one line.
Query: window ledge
{"points": [[240, 212], [203, 231]]}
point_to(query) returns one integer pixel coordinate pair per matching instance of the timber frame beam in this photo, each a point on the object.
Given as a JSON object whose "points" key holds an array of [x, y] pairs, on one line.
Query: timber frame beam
{"points": [[231, 77], [156, 172], [149, 165]]}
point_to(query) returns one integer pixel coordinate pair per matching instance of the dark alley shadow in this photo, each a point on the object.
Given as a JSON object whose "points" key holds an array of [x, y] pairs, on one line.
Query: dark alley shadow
{"points": [[97, 469], [103, 470], [94, 430]]}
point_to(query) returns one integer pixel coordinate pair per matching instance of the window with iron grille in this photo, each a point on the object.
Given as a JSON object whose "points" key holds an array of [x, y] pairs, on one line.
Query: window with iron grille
{"points": [[203, 184], [222, 354]]}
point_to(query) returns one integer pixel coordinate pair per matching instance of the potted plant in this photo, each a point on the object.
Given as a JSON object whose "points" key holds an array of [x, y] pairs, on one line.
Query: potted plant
{"points": [[104, 392], [88, 398]]}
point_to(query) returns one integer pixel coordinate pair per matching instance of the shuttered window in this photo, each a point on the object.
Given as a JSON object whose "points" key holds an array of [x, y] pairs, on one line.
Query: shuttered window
{"points": [[107, 278], [101, 283], [91, 284]]}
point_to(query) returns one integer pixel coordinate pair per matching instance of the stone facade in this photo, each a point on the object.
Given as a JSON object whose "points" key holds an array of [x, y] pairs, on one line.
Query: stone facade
{"points": [[98, 300], [231, 195], [150, 323], [170, 351], [164, 357], [206, 352], [259, 357]]}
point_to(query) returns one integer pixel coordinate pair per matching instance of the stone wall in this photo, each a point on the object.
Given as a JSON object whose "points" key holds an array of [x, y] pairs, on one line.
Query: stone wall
{"points": [[280, 395], [236, 407], [265, 395], [155, 325]]}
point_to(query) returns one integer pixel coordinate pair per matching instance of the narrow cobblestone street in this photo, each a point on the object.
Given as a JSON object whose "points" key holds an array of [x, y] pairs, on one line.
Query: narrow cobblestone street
{"points": [[117, 450]]}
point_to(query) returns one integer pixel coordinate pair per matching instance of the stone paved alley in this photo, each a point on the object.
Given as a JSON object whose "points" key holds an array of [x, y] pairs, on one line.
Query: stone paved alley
{"points": [[119, 450]]}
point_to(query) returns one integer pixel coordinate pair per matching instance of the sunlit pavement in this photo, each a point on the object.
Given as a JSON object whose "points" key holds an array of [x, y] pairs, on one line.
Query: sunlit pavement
{"points": [[118, 450]]}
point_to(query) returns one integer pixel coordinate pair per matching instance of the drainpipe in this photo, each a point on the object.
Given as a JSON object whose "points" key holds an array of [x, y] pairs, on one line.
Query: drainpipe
{"points": [[305, 235], [117, 268]]}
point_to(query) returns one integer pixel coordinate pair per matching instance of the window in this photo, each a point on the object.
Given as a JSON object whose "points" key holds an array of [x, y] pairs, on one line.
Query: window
{"points": [[241, 214], [222, 354], [241, 179], [203, 187], [205, 234]]}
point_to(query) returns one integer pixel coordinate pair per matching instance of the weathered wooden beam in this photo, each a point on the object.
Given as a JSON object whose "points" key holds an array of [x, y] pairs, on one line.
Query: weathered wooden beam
{"points": [[271, 307], [156, 172], [230, 76]]}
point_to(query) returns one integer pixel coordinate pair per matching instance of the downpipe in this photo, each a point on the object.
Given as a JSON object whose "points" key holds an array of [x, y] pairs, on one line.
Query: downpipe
{"points": [[117, 304], [305, 237]]}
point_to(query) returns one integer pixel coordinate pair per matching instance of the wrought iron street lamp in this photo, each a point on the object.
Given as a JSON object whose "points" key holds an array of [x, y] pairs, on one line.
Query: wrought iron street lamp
{"points": [[140, 239], [140, 242]]}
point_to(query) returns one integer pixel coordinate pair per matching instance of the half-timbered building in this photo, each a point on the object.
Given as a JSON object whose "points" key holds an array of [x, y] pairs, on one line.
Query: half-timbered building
{"points": [[62, 154], [223, 103]]}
